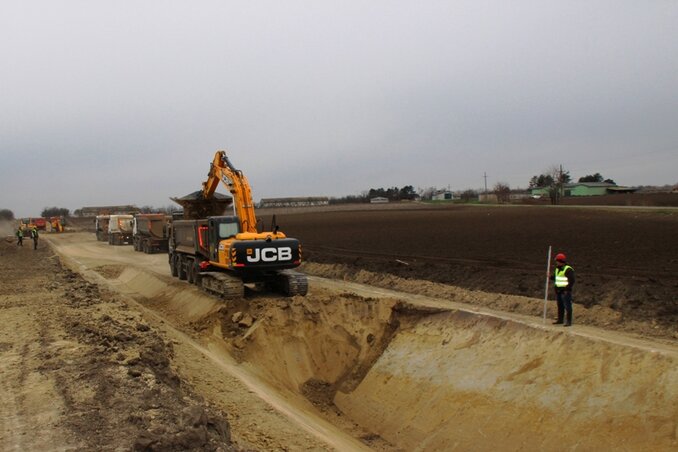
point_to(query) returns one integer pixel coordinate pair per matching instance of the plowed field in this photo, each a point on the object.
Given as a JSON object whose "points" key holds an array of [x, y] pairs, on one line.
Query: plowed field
{"points": [[624, 259]]}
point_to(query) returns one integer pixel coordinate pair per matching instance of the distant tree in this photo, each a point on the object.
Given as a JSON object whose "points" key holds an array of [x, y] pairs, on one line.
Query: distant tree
{"points": [[167, 210], [554, 178], [148, 209], [350, 199], [407, 192], [503, 191], [393, 193], [592, 178], [6, 214], [469, 195], [55, 212], [610, 181], [543, 180], [77, 212]]}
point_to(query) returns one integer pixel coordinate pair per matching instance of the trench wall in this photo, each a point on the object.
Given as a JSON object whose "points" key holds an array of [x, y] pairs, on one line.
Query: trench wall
{"points": [[453, 380], [471, 382]]}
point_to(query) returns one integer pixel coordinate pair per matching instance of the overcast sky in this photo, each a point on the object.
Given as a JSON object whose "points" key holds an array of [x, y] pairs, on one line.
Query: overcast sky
{"points": [[125, 102]]}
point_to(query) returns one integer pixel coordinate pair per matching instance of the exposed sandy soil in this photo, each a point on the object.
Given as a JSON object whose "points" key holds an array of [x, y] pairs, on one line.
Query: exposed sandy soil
{"points": [[624, 259], [426, 366], [398, 371]]}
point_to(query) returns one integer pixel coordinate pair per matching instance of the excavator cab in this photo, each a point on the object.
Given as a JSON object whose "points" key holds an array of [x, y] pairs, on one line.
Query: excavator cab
{"points": [[218, 229]]}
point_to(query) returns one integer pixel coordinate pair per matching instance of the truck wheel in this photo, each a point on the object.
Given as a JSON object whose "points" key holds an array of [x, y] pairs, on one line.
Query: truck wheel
{"points": [[173, 265], [197, 279], [182, 268], [145, 247], [190, 271]]}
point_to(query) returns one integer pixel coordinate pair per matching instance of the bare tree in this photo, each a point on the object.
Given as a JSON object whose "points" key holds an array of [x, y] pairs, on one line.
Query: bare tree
{"points": [[427, 193], [469, 195], [503, 191], [559, 178]]}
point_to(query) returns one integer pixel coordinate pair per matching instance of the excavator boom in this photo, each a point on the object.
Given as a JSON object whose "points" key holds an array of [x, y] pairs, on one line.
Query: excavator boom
{"points": [[222, 170]]}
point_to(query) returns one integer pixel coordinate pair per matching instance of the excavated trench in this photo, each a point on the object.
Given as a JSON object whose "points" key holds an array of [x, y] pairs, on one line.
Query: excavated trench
{"points": [[432, 379]]}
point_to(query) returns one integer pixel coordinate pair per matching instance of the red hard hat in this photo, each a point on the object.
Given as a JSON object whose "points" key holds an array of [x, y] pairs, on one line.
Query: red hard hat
{"points": [[561, 257]]}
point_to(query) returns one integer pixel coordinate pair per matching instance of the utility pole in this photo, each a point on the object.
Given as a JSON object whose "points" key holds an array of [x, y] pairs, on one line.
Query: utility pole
{"points": [[485, 177]]}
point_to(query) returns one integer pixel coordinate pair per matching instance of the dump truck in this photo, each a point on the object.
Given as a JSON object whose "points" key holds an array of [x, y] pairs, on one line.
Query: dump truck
{"points": [[120, 230], [55, 224], [38, 223], [101, 227], [222, 253], [149, 232]]}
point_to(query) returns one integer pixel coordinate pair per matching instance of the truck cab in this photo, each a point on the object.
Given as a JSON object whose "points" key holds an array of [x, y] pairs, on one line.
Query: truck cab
{"points": [[120, 230]]}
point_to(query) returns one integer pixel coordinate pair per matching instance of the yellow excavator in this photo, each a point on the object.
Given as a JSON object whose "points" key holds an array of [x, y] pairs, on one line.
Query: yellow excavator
{"points": [[222, 253]]}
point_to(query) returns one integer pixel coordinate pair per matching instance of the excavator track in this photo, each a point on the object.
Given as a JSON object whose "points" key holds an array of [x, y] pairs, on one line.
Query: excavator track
{"points": [[293, 283], [227, 286]]}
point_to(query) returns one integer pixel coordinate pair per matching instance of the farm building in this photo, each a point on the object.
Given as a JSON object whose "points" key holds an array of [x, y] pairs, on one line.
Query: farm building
{"points": [[378, 200], [443, 195], [307, 201], [585, 189]]}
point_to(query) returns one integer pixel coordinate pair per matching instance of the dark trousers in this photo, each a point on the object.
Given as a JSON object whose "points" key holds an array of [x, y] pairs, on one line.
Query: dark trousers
{"points": [[35, 243], [564, 300], [20, 241]]}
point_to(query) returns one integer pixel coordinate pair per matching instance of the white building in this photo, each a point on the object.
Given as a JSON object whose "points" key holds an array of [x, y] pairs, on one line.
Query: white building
{"points": [[443, 195]]}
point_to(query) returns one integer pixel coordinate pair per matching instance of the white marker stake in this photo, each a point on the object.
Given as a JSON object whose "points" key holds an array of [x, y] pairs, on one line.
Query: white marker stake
{"points": [[546, 290]]}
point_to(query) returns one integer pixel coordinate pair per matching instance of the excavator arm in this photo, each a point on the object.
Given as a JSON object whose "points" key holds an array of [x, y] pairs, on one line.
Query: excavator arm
{"points": [[222, 170]]}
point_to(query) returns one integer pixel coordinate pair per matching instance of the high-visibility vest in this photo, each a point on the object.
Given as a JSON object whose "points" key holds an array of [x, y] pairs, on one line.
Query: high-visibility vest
{"points": [[561, 279]]}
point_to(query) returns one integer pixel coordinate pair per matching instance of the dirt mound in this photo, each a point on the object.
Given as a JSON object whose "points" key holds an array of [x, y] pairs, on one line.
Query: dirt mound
{"points": [[85, 372], [601, 316]]}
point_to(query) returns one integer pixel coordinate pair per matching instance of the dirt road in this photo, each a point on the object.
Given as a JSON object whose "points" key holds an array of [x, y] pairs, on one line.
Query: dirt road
{"points": [[351, 367]]}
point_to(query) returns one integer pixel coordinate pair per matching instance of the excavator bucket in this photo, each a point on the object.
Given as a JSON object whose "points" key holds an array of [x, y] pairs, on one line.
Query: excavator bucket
{"points": [[196, 207]]}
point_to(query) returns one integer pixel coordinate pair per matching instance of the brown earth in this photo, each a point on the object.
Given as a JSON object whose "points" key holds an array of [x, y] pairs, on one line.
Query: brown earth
{"points": [[80, 370], [350, 367], [401, 371], [624, 258]]}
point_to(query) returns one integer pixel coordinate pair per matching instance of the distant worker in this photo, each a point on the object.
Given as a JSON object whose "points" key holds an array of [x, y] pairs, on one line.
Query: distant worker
{"points": [[564, 281], [20, 237], [34, 236]]}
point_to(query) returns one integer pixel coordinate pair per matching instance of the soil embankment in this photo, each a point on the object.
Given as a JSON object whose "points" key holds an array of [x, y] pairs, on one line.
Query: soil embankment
{"points": [[398, 371]]}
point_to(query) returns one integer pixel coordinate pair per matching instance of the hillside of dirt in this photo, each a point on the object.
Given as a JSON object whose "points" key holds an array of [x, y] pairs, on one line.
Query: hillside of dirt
{"points": [[624, 259]]}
